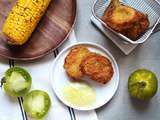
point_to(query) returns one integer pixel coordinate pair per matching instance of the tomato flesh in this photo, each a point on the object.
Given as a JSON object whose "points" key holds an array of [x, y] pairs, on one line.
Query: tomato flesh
{"points": [[37, 104], [17, 82]]}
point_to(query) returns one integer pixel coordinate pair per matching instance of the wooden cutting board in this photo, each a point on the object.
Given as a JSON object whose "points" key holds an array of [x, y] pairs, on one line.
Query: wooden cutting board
{"points": [[50, 33]]}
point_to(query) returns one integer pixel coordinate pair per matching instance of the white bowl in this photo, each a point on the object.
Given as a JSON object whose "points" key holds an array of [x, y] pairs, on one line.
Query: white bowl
{"points": [[60, 79]]}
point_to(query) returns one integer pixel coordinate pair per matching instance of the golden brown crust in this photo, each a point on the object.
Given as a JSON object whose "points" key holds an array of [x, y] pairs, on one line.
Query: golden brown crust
{"points": [[132, 24], [73, 61], [97, 67]]}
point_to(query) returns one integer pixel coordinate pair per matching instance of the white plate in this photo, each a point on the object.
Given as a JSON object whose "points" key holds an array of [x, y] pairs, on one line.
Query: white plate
{"points": [[103, 92]]}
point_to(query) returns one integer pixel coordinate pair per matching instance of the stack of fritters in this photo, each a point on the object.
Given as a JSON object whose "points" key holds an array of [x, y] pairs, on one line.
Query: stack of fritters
{"points": [[80, 61], [125, 20]]}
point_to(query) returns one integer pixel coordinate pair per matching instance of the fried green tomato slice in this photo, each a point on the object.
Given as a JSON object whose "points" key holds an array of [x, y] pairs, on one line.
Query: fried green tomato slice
{"points": [[73, 61], [17, 82], [37, 104], [97, 67]]}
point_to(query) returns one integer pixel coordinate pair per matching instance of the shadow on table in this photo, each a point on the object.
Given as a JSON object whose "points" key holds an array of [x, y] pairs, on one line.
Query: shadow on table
{"points": [[140, 106]]}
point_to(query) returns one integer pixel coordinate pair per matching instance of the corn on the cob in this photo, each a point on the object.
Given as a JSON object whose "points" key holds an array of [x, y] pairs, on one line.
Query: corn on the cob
{"points": [[23, 19]]}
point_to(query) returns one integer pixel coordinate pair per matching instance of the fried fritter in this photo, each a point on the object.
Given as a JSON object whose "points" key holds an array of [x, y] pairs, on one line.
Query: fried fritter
{"points": [[73, 61], [97, 67], [125, 20]]}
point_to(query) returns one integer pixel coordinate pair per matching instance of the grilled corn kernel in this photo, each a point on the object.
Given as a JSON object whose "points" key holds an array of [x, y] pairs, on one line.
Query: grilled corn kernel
{"points": [[23, 19]]}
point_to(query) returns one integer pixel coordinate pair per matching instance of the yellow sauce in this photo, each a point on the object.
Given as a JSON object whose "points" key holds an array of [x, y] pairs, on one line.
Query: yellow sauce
{"points": [[79, 94]]}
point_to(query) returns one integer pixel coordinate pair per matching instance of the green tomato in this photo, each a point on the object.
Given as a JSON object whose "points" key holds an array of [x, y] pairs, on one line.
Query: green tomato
{"points": [[37, 104], [17, 82], [142, 84]]}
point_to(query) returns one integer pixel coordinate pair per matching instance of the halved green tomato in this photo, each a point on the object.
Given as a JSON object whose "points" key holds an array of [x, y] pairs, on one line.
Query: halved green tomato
{"points": [[142, 84], [17, 82], [37, 104]]}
